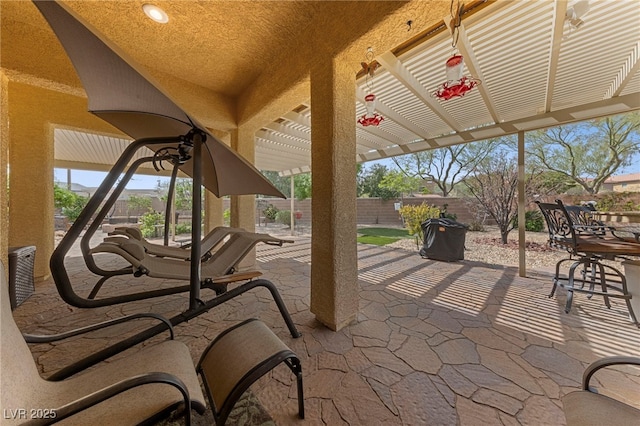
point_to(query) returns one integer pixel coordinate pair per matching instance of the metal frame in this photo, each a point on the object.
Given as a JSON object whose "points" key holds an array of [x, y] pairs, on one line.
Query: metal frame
{"points": [[191, 144]]}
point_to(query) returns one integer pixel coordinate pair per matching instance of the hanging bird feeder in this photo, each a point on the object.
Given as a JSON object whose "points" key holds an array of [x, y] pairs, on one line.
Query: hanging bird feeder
{"points": [[371, 118], [456, 84]]}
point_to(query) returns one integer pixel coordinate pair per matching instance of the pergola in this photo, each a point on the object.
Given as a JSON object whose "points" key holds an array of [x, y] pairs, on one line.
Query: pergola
{"points": [[271, 77]]}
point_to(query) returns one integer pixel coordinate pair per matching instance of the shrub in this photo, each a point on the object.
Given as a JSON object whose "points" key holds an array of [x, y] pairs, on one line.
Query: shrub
{"points": [[183, 228], [476, 226], [284, 216], [270, 212], [226, 216], [533, 221], [413, 216], [69, 203], [445, 214], [148, 222]]}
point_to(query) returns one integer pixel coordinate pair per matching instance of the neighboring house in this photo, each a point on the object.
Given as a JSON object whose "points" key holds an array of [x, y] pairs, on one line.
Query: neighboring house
{"points": [[623, 183]]}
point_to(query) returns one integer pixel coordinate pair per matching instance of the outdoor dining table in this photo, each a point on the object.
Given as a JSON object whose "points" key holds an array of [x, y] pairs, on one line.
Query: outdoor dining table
{"points": [[624, 222]]}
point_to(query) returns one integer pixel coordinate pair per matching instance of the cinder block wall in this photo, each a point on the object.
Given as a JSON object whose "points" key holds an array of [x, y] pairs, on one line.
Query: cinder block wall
{"points": [[377, 211]]}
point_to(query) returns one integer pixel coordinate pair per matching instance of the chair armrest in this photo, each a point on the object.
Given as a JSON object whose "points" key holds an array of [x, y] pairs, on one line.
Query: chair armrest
{"points": [[115, 389], [33, 338], [593, 230], [606, 362], [101, 355]]}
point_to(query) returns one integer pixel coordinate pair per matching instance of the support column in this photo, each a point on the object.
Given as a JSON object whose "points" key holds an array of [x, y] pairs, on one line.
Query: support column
{"points": [[4, 160], [31, 182], [243, 210], [213, 212], [522, 263], [214, 206], [334, 260]]}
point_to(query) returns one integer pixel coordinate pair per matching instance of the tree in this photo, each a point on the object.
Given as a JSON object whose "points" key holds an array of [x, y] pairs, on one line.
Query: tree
{"points": [[183, 196], [139, 204], [69, 203], [301, 184], [397, 182], [371, 180], [587, 153], [447, 166], [495, 186]]}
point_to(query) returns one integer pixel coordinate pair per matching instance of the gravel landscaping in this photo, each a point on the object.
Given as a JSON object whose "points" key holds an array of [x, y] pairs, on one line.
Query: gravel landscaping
{"points": [[487, 247]]}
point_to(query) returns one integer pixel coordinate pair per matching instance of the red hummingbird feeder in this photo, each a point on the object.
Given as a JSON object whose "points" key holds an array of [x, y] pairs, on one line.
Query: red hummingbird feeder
{"points": [[457, 85]]}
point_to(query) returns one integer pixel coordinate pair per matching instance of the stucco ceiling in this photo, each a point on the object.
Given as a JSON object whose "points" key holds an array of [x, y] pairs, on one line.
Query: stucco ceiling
{"points": [[224, 61]]}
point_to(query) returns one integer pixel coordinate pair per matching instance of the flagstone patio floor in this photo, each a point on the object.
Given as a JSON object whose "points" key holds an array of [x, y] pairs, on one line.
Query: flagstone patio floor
{"points": [[435, 343]]}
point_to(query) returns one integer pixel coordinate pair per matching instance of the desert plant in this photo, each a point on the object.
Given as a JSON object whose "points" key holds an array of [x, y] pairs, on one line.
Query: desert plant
{"points": [[69, 203], [183, 228], [148, 222], [533, 221], [284, 217], [270, 212], [476, 226], [413, 216]]}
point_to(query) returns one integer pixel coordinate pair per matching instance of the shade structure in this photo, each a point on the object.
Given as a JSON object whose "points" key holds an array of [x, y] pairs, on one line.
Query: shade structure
{"points": [[121, 95]]}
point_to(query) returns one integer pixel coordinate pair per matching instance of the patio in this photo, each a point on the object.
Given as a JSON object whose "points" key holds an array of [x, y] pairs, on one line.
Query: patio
{"points": [[435, 342]]}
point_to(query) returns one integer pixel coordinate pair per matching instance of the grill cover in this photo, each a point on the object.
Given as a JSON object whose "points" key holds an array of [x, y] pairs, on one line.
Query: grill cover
{"points": [[443, 239]]}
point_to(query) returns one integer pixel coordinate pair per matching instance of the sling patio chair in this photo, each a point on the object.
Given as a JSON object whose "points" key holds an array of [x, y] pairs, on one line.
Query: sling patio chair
{"points": [[207, 244], [216, 272], [589, 408], [141, 387], [587, 251]]}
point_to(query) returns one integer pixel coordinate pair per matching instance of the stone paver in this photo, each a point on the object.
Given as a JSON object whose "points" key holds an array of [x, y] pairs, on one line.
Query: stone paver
{"points": [[436, 343]]}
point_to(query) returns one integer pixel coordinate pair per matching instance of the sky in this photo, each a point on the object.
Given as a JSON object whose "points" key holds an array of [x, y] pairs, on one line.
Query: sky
{"points": [[94, 179]]}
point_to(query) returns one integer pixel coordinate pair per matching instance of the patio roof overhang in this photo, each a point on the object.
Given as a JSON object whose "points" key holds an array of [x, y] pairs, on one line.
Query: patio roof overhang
{"points": [[535, 71]]}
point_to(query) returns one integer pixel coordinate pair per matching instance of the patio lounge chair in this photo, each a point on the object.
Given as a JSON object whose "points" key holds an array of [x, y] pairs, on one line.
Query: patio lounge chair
{"points": [[588, 408], [222, 263], [587, 250], [207, 244], [145, 385]]}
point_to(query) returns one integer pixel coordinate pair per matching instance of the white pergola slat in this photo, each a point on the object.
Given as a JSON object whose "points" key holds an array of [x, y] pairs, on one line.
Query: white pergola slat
{"points": [[535, 72]]}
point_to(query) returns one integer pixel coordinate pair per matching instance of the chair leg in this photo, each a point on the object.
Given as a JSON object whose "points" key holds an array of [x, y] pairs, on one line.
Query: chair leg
{"points": [[603, 284], [556, 277], [294, 364], [569, 287]]}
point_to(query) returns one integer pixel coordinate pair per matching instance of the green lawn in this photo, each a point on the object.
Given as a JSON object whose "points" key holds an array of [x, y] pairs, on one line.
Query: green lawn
{"points": [[381, 236]]}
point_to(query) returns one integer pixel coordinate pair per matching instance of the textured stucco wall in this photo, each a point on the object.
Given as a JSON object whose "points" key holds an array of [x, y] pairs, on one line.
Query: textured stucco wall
{"points": [[213, 206], [32, 113], [4, 160], [334, 273]]}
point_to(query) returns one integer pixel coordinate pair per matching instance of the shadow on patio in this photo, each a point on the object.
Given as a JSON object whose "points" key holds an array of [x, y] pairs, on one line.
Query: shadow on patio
{"points": [[435, 342]]}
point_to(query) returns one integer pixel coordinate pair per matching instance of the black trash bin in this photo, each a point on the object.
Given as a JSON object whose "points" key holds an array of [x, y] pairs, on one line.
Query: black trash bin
{"points": [[21, 261], [443, 239]]}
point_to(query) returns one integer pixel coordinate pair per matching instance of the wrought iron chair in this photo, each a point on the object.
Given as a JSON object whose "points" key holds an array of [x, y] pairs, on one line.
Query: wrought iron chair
{"points": [[587, 245]]}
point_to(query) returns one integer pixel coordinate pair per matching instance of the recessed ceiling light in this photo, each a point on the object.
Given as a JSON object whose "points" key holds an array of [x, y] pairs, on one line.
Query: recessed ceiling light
{"points": [[155, 13]]}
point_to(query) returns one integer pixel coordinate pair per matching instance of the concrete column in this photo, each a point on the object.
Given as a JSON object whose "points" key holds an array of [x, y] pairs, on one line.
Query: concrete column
{"points": [[31, 182], [33, 112], [243, 210], [334, 262], [4, 160], [213, 212], [213, 206]]}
